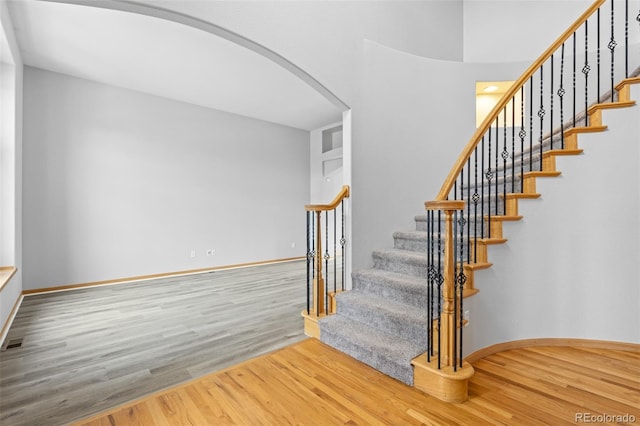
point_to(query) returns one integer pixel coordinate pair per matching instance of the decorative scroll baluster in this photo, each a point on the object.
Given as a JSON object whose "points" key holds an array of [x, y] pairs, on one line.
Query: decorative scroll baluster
{"points": [[326, 259], [561, 93], [522, 134], [489, 176], [574, 79], [335, 252], [496, 169], [430, 281], [469, 210], [482, 189], [530, 127], [439, 292], [541, 111], [343, 241], [504, 155], [475, 199], [308, 214], [585, 71]]}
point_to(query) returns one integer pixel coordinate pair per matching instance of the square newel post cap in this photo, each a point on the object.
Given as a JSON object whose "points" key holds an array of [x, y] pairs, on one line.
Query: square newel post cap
{"points": [[446, 205]]}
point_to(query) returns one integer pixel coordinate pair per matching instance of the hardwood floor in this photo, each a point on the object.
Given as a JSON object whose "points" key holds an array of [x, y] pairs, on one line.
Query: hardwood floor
{"points": [[311, 383], [86, 350]]}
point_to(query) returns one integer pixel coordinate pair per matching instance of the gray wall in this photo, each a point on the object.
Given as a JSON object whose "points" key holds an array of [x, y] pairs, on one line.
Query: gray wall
{"points": [[121, 184]]}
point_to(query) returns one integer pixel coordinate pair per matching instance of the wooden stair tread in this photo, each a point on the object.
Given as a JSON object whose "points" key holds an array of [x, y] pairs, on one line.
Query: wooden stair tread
{"points": [[562, 152], [518, 195], [504, 218], [542, 174], [588, 129], [488, 241], [610, 105], [630, 80], [478, 266]]}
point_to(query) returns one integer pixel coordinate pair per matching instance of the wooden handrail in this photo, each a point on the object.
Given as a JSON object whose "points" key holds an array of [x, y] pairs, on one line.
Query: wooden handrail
{"points": [[344, 193], [484, 127]]}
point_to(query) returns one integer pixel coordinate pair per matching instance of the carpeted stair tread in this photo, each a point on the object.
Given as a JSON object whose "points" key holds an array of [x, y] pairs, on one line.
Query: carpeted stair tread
{"points": [[384, 352], [410, 240], [401, 261], [401, 288], [398, 319]]}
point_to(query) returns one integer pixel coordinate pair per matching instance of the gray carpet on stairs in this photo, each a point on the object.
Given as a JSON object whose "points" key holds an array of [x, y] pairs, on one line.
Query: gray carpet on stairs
{"points": [[382, 321]]}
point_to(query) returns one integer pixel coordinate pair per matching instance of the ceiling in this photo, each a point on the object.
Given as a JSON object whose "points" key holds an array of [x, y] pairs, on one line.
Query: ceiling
{"points": [[168, 59]]}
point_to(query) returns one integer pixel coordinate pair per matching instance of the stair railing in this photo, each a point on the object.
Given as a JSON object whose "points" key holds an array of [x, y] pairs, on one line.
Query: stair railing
{"points": [[536, 119], [321, 281]]}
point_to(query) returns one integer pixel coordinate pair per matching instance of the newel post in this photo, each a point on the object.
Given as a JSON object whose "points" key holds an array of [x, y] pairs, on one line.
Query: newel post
{"points": [[439, 372]]}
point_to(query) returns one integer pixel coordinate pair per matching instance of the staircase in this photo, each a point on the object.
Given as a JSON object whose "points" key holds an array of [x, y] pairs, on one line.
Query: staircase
{"points": [[413, 296]]}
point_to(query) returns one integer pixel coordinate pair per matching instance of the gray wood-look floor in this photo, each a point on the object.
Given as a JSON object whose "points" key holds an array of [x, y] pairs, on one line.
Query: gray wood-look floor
{"points": [[87, 350]]}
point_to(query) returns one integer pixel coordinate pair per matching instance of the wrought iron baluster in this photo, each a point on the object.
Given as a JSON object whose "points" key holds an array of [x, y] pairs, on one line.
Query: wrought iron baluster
{"points": [[513, 146], [530, 128], [343, 241], [522, 134], [475, 198], [550, 108], [541, 111], [497, 156], [482, 191], [598, 55], [561, 93], [326, 262], [504, 155], [308, 265], [469, 209], [335, 251], [574, 79], [585, 71], [439, 295], [489, 176], [430, 278]]}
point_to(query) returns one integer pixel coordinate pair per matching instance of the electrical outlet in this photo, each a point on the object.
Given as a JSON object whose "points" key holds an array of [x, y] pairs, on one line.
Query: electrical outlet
{"points": [[293, 245], [465, 316], [193, 253]]}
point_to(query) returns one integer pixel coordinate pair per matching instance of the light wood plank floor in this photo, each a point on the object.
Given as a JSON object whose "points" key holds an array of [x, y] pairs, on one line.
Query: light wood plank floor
{"points": [[91, 349], [310, 383]]}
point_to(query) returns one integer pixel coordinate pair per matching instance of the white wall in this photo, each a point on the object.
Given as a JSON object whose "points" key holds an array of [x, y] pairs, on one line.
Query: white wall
{"points": [[569, 269], [414, 118], [325, 38], [121, 184], [515, 30], [11, 161], [520, 30]]}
